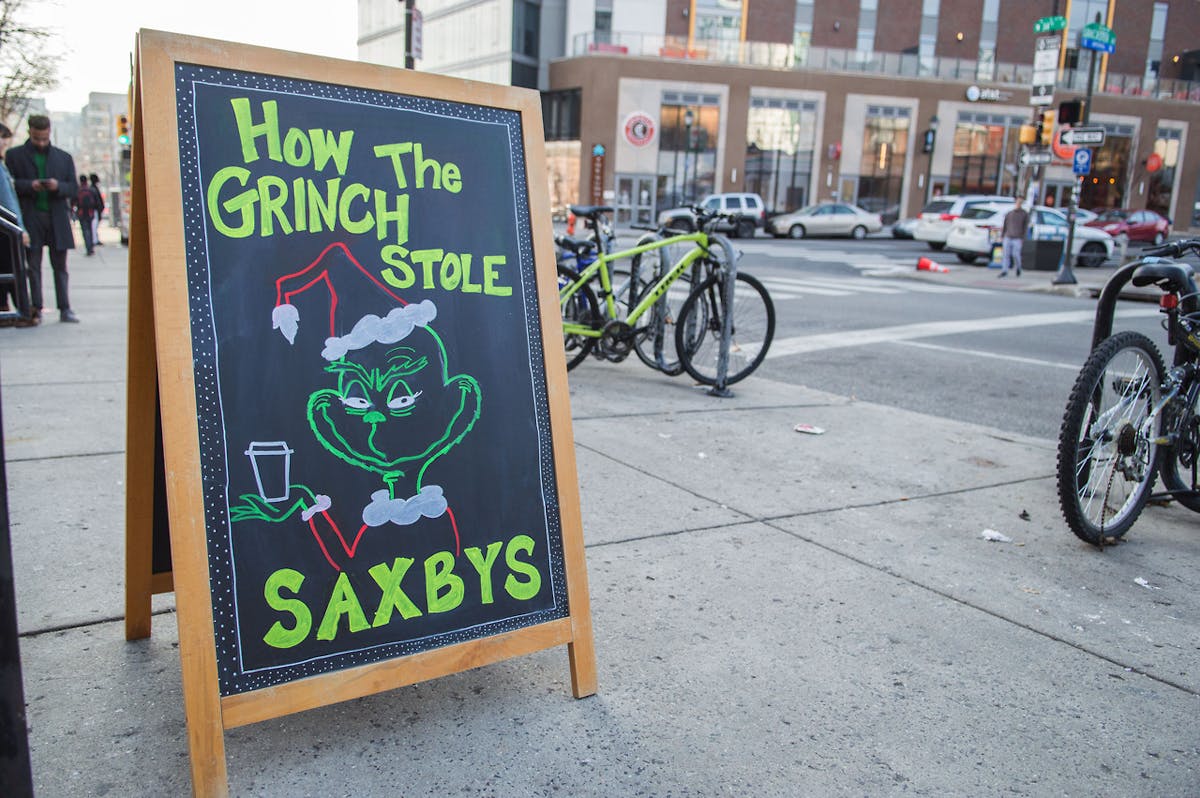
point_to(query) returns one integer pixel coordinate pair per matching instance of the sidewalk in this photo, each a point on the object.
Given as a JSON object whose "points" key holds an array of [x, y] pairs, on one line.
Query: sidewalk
{"points": [[776, 614]]}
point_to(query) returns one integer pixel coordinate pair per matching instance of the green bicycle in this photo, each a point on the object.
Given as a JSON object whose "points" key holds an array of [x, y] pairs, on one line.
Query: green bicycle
{"points": [[608, 329]]}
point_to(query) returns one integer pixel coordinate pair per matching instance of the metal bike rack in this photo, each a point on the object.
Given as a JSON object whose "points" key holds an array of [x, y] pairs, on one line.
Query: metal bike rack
{"points": [[721, 388], [13, 250]]}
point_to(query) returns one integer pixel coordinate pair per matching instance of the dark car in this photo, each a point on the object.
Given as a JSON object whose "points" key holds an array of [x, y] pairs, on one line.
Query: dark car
{"points": [[1136, 225]]}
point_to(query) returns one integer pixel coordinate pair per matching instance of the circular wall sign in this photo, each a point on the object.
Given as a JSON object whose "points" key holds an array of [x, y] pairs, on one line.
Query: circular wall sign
{"points": [[639, 129]]}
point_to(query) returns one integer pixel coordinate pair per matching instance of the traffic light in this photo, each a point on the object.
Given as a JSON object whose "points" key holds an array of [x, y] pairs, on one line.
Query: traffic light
{"points": [[1028, 134], [1070, 112], [1046, 129], [123, 129]]}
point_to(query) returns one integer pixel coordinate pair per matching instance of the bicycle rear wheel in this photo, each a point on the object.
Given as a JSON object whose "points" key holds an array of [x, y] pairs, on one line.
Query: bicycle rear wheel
{"points": [[1107, 456], [698, 331], [580, 308], [654, 337]]}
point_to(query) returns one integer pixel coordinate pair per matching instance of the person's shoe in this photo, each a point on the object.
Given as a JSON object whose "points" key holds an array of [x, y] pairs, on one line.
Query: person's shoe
{"points": [[31, 321], [1018, 272], [8, 321], [1002, 274], [68, 316]]}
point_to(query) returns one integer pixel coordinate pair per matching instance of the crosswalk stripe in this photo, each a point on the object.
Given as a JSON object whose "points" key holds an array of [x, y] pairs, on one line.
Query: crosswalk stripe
{"points": [[853, 285]]}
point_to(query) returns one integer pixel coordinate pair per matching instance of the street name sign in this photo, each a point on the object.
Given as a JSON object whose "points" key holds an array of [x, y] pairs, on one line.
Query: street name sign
{"points": [[1078, 136], [1049, 24], [1100, 38], [1033, 157]]}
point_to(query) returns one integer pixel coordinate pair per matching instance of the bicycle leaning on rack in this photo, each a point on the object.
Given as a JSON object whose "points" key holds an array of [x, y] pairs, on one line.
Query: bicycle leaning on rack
{"points": [[1128, 418], [713, 312]]}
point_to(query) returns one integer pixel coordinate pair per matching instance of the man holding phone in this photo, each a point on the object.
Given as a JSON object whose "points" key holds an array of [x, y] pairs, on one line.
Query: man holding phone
{"points": [[45, 180]]}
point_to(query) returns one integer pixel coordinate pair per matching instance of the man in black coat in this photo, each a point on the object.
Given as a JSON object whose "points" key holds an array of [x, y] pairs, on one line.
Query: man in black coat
{"points": [[45, 180]]}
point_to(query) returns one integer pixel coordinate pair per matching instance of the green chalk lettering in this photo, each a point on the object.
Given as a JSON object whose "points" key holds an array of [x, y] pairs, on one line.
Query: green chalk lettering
{"points": [[518, 589], [450, 274], [422, 165], [249, 130], [490, 262], [439, 577], [324, 148], [298, 203], [342, 601], [324, 209], [297, 150], [451, 179], [242, 203], [280, 636], [353, 191], [394, 151], [394, 597], [483, 566], [383, 216], [468, 287], [273, 193], [394, 255], [426, 258]]}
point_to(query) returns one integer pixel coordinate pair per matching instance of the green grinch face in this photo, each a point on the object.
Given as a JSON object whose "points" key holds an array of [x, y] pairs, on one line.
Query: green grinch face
{"points": [[393, 409]]}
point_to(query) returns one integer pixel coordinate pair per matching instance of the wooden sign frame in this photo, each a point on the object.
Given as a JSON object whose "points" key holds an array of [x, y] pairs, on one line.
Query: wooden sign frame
{"points": [[161, 378]]}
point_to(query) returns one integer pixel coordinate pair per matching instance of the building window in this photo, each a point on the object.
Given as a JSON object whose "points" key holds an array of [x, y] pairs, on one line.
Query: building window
{"points": [[781, 136], [802, 30], [881, 167], [1162, 180], [526, 29], [687, 154], [927, 46], [867, 10], [988, 26], [560, 114], [1158, 30], [983, 144], [1106, 186]]}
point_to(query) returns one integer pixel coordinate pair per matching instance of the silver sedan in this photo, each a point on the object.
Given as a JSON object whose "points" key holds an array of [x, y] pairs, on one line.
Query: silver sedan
{"points": [[825, 219]]}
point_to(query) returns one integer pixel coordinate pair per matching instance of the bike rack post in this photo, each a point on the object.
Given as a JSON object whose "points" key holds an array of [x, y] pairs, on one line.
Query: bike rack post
{"points": [[721, 389], [1107, 304], [13, 251]]}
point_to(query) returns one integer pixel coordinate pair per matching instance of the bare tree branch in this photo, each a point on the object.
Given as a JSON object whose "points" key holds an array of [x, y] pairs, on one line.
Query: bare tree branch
{"points": [[28, 68]]}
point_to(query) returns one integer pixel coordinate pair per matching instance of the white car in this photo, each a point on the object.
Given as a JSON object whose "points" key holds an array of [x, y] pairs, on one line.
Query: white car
{"points": [[974, 233], [935, 219]]}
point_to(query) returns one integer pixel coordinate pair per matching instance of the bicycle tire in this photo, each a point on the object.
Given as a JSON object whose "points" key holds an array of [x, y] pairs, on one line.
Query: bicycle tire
{"points": [[581, 308], [698, 331], [1106, 466], [1172, 462]]}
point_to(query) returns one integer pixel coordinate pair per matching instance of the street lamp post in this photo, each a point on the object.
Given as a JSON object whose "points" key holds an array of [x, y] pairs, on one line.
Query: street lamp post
{"points": [[932, 136], [688, 119]]}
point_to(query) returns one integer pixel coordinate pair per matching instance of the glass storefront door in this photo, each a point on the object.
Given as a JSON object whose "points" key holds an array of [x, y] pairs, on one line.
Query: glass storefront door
{"points": [[635, 199]]}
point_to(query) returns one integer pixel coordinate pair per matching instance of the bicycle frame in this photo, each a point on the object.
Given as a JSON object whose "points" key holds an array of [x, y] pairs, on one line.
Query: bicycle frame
{"points": [[600, 265]]}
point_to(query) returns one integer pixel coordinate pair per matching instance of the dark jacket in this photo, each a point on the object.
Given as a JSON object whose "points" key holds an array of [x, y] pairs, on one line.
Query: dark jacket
{"points": [[59, 165]]}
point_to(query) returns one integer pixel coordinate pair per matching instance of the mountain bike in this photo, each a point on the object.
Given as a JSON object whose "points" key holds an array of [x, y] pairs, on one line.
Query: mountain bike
{"points": [[715, 309], [1129, 419]]}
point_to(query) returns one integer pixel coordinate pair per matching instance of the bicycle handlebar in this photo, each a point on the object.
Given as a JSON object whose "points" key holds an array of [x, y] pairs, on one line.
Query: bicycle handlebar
{"points": [[1175, 249]]}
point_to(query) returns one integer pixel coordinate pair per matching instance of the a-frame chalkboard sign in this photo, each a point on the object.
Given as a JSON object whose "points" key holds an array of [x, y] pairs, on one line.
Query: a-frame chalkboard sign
{"points": [[343, 308]]}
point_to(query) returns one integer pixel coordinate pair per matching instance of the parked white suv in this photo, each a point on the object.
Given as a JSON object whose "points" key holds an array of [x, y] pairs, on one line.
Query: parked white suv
{"points": [[935, 219], [748, 208]]}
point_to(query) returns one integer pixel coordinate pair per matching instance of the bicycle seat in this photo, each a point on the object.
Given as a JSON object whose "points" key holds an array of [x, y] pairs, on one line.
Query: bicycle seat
{"points": [[590, 210], [1174, 277], [580, 246]]}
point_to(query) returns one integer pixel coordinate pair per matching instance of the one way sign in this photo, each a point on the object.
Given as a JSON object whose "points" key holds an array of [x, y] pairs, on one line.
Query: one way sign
{"points": [[1083, 136]]}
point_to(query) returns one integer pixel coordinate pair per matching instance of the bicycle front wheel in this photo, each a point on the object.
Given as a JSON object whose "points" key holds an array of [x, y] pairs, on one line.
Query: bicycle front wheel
{"points": [[1107, 454], [702, 318], [580, 308]]}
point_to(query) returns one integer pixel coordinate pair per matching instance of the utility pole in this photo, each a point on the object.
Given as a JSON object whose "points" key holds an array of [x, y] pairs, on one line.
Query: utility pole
{"points": [[409, 60]]}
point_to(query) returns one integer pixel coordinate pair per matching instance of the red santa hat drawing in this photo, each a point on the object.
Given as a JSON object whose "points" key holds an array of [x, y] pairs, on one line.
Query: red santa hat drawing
{"points": [[332, 267]]}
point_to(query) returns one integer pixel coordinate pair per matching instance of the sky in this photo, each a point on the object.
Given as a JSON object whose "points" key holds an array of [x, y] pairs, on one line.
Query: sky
{"points": [[95, 37]]}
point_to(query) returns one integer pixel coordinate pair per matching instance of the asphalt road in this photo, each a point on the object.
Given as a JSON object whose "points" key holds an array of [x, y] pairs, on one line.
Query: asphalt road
{"points": [[1003, 358]]}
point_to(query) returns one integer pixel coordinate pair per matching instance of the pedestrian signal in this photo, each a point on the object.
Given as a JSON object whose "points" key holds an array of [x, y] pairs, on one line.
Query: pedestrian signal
{"points": [[123, 129]]}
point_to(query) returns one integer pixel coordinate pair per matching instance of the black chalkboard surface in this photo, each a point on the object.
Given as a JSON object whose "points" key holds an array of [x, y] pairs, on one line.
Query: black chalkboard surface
{"points": [[342, 284], [372, 412]]}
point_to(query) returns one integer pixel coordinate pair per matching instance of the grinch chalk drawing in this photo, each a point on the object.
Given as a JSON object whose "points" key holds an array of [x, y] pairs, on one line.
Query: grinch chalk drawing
{"points": [[392, 409]]}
